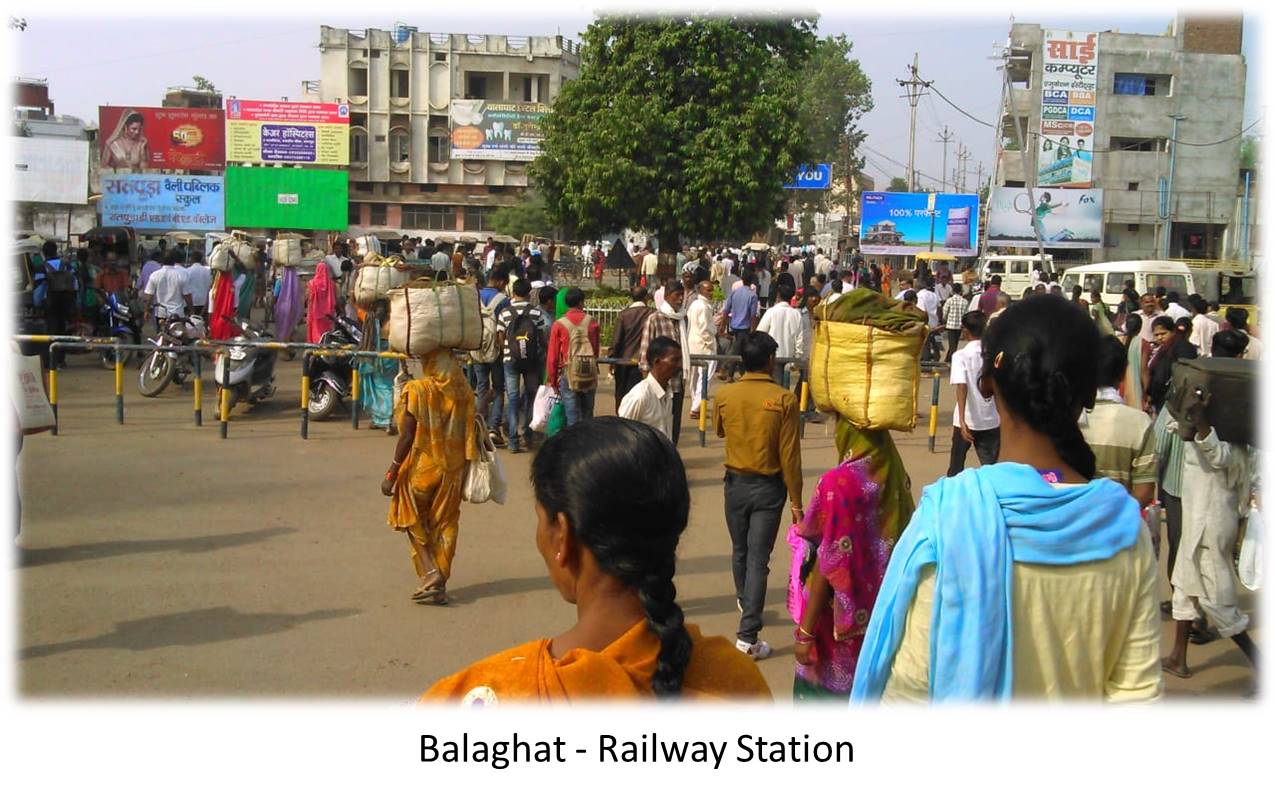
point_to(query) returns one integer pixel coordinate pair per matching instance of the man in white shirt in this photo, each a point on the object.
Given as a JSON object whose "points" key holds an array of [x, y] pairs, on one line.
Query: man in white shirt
{"points": [[166, 293], [586, 261], [1149, 313], [1175, 310], [927, 299], [198, 286], [904, 287], [1203, 328], [783, 322], [823, 264], [701, 339], [974, 419], [650, 265], [651, 401], [490, 261]]}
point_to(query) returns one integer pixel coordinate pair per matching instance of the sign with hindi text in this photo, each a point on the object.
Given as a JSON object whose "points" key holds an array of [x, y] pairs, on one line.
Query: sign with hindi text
{"points": [[283, 132]]}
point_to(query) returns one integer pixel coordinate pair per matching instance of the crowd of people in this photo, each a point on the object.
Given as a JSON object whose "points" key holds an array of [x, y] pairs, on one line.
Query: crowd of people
{"points": [[1041, 558]]}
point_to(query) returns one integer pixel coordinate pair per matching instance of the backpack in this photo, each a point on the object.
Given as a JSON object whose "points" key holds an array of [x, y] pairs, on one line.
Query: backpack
{"points": [[487, 351], [59, 278], [525, 347], [582, 364]]}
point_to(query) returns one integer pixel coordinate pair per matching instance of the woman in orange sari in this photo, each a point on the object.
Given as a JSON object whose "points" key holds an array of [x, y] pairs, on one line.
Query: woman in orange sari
{"points": [[435, 416], [611, 504]]}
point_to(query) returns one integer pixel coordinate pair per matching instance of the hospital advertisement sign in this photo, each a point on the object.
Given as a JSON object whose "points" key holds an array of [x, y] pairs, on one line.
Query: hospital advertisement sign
{"points": [[284, 132]]}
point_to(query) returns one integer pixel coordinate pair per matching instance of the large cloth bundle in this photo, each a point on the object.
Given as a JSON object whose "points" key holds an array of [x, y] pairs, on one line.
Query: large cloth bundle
{"points": [[286, 251], [375, 280], [426, 315], [865, 363], [1228, 389], [238, 244], [364, 245]]}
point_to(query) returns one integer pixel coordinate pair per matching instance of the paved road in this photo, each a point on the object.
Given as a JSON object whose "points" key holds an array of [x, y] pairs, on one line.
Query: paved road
{"points": [[159, 560]]}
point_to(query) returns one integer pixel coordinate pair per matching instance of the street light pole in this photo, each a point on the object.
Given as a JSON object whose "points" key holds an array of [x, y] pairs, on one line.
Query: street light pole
{"points": [[1167, 232]]}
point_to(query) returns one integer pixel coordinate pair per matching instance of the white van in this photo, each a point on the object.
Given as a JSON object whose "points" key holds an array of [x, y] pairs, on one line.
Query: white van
{"points": [[1147, 276], [1015, 271]]}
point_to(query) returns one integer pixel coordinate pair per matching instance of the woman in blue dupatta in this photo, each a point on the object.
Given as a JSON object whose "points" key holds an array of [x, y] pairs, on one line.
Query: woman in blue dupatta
{"points": [[376, 376], [1028, 578]]}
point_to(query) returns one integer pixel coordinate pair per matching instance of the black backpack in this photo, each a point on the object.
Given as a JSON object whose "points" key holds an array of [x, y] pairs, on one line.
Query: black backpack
{"points": [[525, 348], [60, 279]]}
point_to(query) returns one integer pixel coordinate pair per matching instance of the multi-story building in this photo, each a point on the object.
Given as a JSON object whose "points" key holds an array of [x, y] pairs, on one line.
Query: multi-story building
{"points": [[1194, 71], [33, 117], [401, 86]]}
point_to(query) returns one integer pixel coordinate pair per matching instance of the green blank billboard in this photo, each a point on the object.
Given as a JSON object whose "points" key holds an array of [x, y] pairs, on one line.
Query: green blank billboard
{"points": [[305, 199]]}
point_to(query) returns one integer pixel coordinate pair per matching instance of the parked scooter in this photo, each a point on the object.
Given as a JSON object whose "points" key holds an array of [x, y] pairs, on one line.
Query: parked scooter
{"points": [[116, 320], [245, 370], [330, 375], [160, 368]]}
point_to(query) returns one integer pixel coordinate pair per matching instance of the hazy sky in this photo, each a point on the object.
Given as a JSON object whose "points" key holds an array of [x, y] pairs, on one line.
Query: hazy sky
{"points": [[92, 61]]}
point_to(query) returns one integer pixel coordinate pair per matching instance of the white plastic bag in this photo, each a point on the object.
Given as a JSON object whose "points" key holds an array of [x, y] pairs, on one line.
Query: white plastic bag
{"points": [[543, 406], [484, 477], [1250, 565], [34, 411]]}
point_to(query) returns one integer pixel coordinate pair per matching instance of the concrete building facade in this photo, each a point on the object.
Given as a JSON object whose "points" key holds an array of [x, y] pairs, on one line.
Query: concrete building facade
{"points": [[399, 85], [1195, 70]]}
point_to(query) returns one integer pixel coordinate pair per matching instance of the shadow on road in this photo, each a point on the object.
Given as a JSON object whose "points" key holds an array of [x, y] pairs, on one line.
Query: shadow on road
{"points": [[199, 627], [79, 552], [723, 605], [498, 587]]}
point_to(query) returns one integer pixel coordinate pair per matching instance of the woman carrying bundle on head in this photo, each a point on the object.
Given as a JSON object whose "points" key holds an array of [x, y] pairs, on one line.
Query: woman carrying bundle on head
{"points": [[1028, 578], [611, 504]]}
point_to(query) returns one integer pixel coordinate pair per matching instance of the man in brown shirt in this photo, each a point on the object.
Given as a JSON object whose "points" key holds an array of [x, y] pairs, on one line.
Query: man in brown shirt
{"points": [[759, 420], [626, 342]]}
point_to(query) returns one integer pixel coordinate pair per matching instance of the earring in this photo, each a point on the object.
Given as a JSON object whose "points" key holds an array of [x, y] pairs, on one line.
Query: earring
{"points": [[558, 557]]}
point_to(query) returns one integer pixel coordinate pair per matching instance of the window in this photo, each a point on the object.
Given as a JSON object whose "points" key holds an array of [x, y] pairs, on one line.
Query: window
{"points": [[1135, 85], [376, 53], [439, 147], [1115, 280], [440, 56], [479, 218], [1093, 282], [995, 267], [1170, 282], [377, 217], [400, 146], [356, 213], [476, 87], [1132, 228], [1138, 145], [358, 145], [358, 81], [429, 217], [1133, 186], [360, 186], [400, 84]]}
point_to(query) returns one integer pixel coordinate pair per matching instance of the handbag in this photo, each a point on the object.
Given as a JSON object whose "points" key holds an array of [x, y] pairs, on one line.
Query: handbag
{"points": [[542, 408], [1250, 559], [484, 477]]}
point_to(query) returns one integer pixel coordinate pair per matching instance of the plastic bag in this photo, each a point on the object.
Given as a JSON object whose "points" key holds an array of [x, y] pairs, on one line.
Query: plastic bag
{"points": [[1250, 564], [484, 477], [557, 420], [546, 400], [34, 411]]}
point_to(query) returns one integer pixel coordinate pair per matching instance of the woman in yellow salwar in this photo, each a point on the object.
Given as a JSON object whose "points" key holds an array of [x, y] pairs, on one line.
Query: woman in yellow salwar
{"points": [[435, 416], [611, 504]]}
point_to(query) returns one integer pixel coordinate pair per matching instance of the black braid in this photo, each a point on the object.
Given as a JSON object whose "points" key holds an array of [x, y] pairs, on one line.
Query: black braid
{"points": [[1040, 352], [623, 488]]}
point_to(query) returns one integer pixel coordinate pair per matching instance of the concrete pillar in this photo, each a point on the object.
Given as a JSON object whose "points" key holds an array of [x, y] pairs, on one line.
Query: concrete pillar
{"points": [[460, 209]]}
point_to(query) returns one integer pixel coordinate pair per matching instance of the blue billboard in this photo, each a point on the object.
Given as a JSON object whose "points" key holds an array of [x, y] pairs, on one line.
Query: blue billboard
{"points": [[163, 202], [814, 176], [905, 224]]}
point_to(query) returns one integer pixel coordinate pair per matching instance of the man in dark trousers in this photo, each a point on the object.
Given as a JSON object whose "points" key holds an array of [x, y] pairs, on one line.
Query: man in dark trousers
{"points": [[759, 420], [626, 342]]}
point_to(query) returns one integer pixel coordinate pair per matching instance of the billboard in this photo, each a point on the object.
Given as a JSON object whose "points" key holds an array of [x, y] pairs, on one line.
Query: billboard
{"points": [[1068, 218], [50, 170], [136, 139], [1068, 103], [814, 176], [298, 199], [905, 224], [281, 132], [163, 202], [483, 130]]}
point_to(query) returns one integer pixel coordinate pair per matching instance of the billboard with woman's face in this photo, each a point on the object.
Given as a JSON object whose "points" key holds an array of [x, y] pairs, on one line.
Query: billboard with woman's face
{"points": [[135, 139]]}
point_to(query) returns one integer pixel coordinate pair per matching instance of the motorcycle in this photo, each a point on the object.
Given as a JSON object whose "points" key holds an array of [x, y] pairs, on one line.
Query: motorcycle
{"points": [[330, 375], [116, 320], [160, 368], [245, 370]]}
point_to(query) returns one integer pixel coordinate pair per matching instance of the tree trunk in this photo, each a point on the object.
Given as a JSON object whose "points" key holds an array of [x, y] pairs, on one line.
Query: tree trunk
{"points": [[669, 246]]}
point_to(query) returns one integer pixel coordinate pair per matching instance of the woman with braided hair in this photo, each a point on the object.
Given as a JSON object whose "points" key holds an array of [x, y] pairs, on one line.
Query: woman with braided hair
{"points": [[611, 503], [1028, 578]]}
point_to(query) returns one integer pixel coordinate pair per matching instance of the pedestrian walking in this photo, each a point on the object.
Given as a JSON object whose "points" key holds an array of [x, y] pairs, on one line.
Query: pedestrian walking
{"points": [[520, 329], [974, 418], [954, 309], [1065, 604], [198, 285], [55, 288], [167, 294], [321, 299], [1120, 436], [739, 315], [626, 342], [760, 423], [489, 367], [784, 323], [572, 362], [669, 320], [651, 400], [701, 339], [435, 418]]}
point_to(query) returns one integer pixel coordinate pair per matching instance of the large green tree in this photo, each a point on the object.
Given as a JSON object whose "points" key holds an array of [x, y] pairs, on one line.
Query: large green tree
{"points": [[835, 94], [897, 184], [517, 220], [686, 127]]}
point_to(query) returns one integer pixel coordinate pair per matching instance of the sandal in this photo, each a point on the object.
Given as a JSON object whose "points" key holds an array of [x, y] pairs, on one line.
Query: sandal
{"points": [[1181, 673], [436, 597]]}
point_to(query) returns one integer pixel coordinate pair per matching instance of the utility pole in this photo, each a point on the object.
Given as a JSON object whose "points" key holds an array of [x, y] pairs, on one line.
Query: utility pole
{"points": [[915, 88], [980, 176], [1028, 177], [1167, 216], [944, 138], [962, 158]]}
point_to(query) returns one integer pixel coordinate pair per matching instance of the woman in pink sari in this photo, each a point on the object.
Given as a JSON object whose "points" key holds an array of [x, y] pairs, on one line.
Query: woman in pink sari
{"points": [[839, 554], [321, 302]]}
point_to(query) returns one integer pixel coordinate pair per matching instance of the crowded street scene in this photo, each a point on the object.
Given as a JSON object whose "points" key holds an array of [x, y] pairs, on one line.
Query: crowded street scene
{"points": [[766, 360]]}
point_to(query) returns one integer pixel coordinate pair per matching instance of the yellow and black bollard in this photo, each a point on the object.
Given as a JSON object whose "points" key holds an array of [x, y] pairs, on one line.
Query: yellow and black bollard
{"points": [[199, 392], [934, 410], [703, 405], [305, 399], [53, 392], [223, 401], [119, 385], [354, 393], [802, 404]]}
